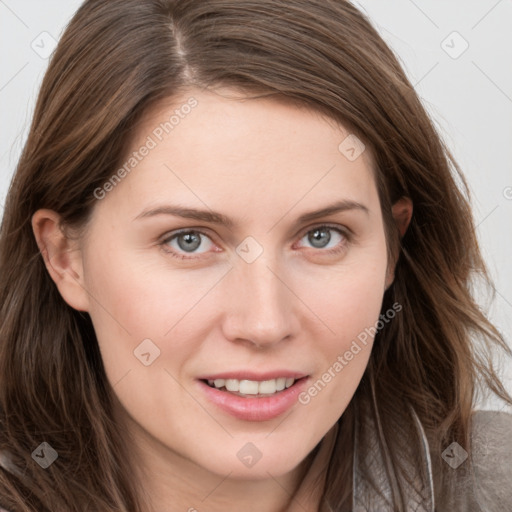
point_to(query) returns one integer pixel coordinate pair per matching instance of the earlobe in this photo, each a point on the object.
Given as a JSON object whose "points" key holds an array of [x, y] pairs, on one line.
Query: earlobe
{"points": [[402, 214], [62, 258]]}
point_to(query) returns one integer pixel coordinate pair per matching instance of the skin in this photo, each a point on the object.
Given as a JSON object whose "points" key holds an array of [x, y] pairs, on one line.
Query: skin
{"points": [[263, 163]]}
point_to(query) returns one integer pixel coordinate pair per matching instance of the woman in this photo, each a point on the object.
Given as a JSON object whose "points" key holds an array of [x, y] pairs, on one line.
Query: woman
{"points": [[236, 274]]}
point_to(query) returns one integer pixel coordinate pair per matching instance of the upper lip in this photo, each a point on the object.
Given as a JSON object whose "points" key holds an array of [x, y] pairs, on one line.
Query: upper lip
{"points": [[252, 375]]}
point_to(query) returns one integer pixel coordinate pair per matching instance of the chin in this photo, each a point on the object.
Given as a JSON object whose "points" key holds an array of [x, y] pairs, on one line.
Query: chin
{"points": [[254, 461]]}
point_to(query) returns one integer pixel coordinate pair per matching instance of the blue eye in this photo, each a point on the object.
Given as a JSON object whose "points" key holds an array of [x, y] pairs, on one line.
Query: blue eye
{"points": [[321, 236], [184, 244], [187, 241]]}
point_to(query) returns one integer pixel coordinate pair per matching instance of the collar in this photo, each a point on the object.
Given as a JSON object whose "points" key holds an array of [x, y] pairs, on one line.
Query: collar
{"points": [[373, 481]]}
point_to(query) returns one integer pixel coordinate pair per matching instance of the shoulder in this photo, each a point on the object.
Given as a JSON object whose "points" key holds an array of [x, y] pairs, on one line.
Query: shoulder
{"points": [[481, 483], [491, 438]]}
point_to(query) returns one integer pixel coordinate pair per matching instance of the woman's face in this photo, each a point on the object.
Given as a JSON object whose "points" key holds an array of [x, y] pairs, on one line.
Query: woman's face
{"points": [[276, 294]]}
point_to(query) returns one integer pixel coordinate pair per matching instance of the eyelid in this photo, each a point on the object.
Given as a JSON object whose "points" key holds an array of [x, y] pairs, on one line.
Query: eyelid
{"points": [[337, 227], [345, 232], [171, 235]]}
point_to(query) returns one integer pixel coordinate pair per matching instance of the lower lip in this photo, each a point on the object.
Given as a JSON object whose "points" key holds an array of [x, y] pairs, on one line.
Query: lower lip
{"points": [[255, 408]]}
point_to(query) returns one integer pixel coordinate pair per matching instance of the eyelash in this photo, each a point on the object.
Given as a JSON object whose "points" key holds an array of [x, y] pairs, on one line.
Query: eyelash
{"points": [[347, 235]]}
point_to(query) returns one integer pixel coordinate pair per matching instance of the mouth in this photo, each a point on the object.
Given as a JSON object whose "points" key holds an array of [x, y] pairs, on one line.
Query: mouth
{"points": [[252, 388], [256, 399]]}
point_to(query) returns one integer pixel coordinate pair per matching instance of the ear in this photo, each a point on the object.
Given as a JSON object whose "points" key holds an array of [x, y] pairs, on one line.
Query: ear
{"points": [[402, 214], [62, 257]]}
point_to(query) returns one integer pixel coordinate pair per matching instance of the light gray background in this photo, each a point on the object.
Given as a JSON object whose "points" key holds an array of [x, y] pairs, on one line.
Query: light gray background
{"points": [[469, 95]]}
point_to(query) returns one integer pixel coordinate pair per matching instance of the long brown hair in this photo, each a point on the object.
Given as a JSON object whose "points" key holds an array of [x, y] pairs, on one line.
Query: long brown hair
{"points": [[114, 61]]}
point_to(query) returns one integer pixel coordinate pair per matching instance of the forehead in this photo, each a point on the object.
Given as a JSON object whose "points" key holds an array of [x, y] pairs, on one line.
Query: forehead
{"points": [[244, 153], [233, 123]]}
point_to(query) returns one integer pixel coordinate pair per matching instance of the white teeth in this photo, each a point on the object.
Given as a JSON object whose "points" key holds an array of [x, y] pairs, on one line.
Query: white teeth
{"points": [[253, 387], [232, 385], [248, 387], [268, 386], [280, 383]]}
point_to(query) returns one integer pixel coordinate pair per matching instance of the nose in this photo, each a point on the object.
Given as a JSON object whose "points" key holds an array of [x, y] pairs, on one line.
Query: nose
{"points": [[261, 308]]}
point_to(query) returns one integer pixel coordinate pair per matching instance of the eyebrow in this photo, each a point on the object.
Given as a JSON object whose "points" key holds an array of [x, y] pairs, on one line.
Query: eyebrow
{"points": [[218, 218]]}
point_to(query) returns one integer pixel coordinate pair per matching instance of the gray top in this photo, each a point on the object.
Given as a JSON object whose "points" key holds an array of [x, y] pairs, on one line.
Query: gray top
{"points": [[487, 488]]}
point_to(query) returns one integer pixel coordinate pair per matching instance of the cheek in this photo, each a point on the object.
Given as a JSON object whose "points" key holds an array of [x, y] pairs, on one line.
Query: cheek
{"points": [[352, 299], [347, 298], [136, 298], [348, 302]]}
